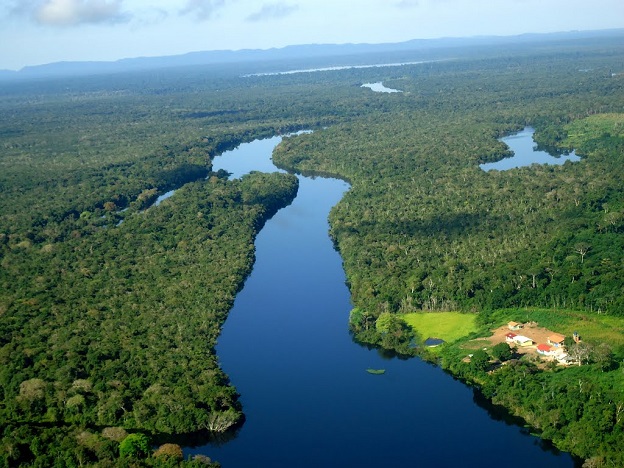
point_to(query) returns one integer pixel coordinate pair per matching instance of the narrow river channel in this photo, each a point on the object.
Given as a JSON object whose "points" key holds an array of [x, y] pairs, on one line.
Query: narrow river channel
{"points": [[307, 397]]}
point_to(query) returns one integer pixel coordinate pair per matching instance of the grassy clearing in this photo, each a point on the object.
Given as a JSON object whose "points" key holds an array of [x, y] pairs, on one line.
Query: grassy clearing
{"points": [[594, 328], [448, 326]]}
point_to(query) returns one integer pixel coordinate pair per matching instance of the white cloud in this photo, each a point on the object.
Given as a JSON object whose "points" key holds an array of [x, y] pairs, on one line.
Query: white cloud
{"points": [[203, 9], [70, 12], [167, 27], [271, 11]]}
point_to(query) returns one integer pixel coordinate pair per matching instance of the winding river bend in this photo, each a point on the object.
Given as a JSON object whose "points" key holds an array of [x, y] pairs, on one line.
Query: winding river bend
{"points": [[308, 399], [526, 153]]}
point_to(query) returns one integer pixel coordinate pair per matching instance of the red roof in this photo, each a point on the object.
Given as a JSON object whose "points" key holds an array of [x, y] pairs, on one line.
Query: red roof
{"points": [[510, 335], [543, 347]]}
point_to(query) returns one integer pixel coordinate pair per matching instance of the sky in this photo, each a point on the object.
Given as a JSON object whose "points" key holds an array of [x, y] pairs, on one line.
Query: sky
{"points": [[34, 32]]}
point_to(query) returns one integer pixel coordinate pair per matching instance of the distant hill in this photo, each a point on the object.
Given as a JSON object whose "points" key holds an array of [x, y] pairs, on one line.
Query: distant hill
{"points": [[296, 52]]}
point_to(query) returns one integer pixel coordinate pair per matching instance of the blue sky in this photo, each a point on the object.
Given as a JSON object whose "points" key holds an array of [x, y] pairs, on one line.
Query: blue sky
{"points": [[33, 32]]}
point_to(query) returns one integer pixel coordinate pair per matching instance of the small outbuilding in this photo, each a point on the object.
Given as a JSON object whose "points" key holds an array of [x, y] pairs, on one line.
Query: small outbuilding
{"points": [[544, 349], [523, 340], [556, 340], [509, 337], [515, 326], [519, 340]]}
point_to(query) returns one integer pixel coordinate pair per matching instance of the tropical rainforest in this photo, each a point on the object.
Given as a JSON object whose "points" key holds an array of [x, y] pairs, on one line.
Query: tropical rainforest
{"points": [[111, 304]]}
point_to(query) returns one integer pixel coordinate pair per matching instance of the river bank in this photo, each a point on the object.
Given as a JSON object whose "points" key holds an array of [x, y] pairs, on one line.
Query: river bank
{"points": [[304, 383]]}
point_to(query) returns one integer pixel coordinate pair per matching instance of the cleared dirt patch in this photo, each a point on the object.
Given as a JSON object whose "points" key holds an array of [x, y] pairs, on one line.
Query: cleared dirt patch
{"points": [[531, 330]]}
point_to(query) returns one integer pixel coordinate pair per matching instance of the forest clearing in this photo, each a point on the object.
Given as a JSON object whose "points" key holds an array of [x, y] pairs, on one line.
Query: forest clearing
{"points": [[447, 326], [538, 335]]}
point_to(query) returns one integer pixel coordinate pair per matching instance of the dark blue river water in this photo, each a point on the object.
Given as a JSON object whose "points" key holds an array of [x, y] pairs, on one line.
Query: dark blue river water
{"points": [[308, 399]]}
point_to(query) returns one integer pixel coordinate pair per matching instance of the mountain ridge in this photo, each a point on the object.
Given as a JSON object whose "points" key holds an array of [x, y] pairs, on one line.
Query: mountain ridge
{"points": [[302, 51]]}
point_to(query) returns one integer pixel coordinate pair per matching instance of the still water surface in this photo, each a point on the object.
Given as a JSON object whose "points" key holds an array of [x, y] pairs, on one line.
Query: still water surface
{"points": [[525, 153], [380, 88], [307, 396], [338, 68]]}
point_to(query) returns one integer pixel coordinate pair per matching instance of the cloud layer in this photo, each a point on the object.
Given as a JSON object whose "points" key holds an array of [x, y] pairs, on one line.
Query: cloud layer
{"points": [[202, 9], [43, 31], [273, 10], [71, 12]]}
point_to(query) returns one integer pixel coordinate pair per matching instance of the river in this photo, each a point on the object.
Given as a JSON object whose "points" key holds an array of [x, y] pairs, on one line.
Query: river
{"points": [[338, 68], [526, 153], [307, 397], [380, 88]]}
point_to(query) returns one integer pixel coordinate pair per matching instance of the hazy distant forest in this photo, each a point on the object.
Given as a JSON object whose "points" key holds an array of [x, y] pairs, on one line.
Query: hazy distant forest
{"points": [[110, 308]]}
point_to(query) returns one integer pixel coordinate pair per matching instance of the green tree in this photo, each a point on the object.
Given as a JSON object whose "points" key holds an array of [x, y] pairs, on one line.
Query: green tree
{"points": [[480, 360], [502, 352], [136, 445], [384, 322], [603, 356]]}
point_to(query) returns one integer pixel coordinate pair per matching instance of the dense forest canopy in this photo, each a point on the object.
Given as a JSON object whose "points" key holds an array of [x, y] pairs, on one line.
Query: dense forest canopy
{"points": [[425, 229], [110, 307], [444, 235]]}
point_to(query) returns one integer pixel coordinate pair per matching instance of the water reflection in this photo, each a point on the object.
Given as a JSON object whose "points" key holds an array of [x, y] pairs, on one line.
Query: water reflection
{"points": [[526, 153], [337, 68], [304, 388], [380, 88]]}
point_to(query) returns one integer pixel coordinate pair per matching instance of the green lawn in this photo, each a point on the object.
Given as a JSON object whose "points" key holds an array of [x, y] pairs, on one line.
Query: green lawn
{"points": [[448, 326]]}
